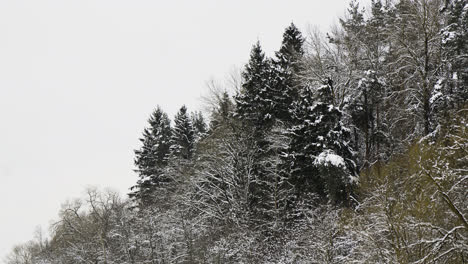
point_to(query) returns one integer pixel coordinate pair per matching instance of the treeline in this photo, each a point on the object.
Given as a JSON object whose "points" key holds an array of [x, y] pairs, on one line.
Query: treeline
{"points": [[344, 148]]}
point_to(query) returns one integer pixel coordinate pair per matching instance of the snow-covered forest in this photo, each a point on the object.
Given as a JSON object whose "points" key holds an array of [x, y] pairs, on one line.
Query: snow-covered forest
{"points": [[344, 147]]}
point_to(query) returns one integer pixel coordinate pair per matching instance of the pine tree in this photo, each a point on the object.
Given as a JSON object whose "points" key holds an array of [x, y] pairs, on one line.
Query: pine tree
{"points": [[183, 138], [151, 158], [291, 50], [199, 125], [253, 103], [287, 67], [222, 112], [319, 158], [256, 109]]}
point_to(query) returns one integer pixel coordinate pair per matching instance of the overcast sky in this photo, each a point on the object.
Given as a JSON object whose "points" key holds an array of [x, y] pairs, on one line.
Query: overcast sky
{"points": [[78, 80]]}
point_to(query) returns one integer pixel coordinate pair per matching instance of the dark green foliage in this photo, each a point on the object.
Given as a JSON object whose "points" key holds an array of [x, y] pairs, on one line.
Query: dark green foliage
{"points": [[253, 108], [287, 68], [151, 158], [199, 125], [320, 158], [254, 102], [291, 51], [275, 180], [183, 136]]}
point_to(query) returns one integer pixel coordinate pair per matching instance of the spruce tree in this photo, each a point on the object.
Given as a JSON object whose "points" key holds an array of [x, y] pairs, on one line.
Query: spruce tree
{"points": [[291, 50], [221, 113], [287, 67], [254, 108], [199, 125], [319, 157], [253, 103], [151, 158], [183, 136]]}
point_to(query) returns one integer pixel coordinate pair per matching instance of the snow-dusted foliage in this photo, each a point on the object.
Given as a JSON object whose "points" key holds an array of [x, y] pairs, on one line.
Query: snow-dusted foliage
{"points": [[199, 125], [414, 209], [287, 67], [183, 136], [328, 158], [151, 158], [319, 156], [254, 103], [452, 85], [345, 149]]}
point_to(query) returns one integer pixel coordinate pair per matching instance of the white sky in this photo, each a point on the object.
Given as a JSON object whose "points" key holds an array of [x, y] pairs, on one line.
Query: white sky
{"points": [[78, 80]]}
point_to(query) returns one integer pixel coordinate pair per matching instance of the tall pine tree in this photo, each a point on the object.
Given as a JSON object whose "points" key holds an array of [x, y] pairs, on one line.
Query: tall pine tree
{"points": [[221, 114], [183, 136], [255, 106], [151, 158], [199, 125], [287, 67], [253, 103]]}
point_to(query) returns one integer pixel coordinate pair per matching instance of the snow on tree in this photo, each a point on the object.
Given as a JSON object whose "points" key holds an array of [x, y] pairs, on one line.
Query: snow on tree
{"points": [[84, 234], [199, 125], [23, 254], [225, 182], [368, 118], [151, 158], [287, 67], [254, 101], [319, 157], [353, 27], [414, 32], [275, 175], [451, 90], [183, 138], [222, 112]]}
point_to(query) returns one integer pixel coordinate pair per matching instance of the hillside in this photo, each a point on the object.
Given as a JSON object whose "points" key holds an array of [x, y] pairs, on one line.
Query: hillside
{"points": [[346, 147]]}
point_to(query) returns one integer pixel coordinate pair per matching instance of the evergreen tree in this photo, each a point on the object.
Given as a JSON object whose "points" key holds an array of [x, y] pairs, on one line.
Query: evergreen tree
{"points": [[287, 67], [253, 103], [319, 157], [199, 125], [222, 112], [256, 108], [291, 50], [183, 137], [151, 158]]}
